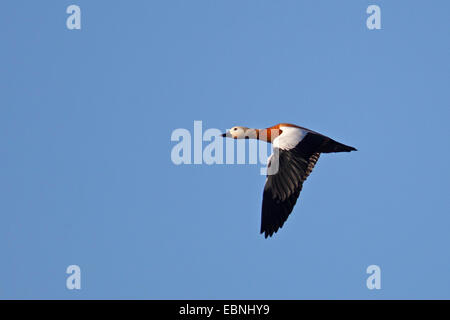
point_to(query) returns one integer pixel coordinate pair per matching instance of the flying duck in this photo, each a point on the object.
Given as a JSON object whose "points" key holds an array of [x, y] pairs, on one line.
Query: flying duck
{"points": [[295, 153]]}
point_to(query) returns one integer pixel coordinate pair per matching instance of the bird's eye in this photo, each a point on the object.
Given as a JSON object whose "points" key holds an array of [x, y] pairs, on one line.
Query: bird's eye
{"points": [[235, 129]]}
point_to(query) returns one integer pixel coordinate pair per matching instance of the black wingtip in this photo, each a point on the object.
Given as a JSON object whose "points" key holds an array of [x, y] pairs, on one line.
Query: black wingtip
{"points": [[266, 233]]}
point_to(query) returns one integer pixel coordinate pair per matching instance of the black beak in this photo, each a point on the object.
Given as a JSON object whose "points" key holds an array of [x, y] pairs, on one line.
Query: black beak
{"points": [[223, 135]]}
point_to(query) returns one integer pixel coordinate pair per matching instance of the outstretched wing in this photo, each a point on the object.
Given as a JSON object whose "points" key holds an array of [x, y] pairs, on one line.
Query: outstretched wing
{"points": [[283, 188], [296, 151]]}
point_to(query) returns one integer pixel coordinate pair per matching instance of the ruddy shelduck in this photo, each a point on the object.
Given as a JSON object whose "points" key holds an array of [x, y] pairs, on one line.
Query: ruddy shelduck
{"points": [[297, 150]]}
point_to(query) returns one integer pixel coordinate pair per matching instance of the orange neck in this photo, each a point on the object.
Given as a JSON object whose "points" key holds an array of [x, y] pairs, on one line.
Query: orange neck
{"points": [[268, 134]]}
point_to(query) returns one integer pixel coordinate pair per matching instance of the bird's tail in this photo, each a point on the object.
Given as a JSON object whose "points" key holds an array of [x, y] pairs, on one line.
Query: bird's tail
{"points": [[334, 146]]}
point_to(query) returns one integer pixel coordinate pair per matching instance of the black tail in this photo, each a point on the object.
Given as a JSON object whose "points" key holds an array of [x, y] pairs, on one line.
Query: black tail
{"points": [[334, 146]]}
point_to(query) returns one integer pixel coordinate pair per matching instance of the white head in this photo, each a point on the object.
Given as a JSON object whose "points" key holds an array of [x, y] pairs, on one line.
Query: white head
{"points": [[238, 132]]}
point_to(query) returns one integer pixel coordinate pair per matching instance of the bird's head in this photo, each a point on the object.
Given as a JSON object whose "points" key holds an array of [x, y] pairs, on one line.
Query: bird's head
{"points": [[239, 132]]}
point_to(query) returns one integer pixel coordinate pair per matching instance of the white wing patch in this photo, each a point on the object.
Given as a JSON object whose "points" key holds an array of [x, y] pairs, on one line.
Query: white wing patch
{"points": [[289, 138]]}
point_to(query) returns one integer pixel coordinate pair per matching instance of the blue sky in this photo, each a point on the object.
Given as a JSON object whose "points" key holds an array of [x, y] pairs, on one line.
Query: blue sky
{"points": [[86, 176]]}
